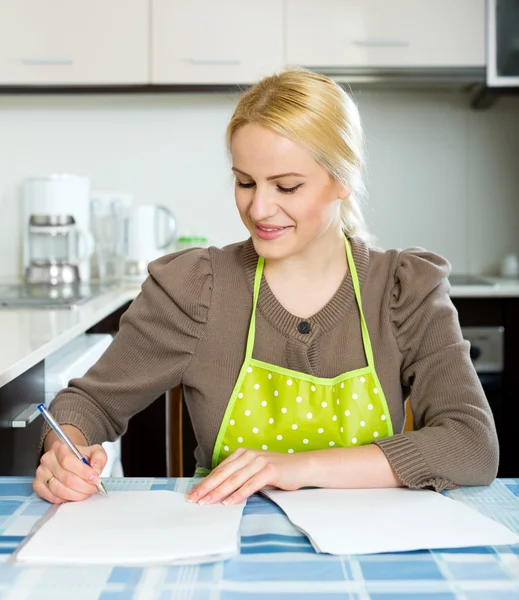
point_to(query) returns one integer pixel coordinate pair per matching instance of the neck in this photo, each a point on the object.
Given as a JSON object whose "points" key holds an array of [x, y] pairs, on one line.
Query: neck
{"points": [[326, 253]]}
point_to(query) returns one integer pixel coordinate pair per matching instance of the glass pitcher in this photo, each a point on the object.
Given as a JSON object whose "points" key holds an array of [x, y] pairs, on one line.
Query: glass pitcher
{"points": [[109, 214]]}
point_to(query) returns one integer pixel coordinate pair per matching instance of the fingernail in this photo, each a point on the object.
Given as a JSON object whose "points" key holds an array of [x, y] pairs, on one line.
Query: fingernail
{"points": [[205, 500], [97, 469], [228, 501], [93, 477], [189, 499]]}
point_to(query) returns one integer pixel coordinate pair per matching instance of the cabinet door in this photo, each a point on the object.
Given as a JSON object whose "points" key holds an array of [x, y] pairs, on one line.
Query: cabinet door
{"points": [[382, 33], [67, 42], [216, 41]]}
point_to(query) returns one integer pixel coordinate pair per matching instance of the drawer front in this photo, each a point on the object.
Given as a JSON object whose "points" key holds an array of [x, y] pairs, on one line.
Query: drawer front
{"points": [[19, 445]]}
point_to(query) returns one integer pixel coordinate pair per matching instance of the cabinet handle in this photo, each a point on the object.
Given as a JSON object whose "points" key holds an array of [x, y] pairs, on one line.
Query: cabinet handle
{"points": [[47, 60], [215, 61], [382, 43], [25, 418]]}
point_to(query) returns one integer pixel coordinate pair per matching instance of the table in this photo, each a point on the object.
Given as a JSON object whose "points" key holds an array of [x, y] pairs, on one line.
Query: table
{"points": [[276, 561]]}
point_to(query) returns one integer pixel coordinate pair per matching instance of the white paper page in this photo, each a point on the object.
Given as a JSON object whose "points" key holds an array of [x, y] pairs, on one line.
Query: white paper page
{"points": [[387, 520], [135, 528]]}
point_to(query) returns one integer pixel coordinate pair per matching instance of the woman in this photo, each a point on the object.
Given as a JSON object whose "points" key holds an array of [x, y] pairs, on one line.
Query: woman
{"points": [[298, 347]]}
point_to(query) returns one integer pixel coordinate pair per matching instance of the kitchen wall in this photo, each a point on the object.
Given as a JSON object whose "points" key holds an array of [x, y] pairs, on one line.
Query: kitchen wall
{"points": [[440, 175]]}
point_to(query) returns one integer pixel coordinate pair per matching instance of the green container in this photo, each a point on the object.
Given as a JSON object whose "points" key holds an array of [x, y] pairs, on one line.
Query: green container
{"points": [[193, 241]]}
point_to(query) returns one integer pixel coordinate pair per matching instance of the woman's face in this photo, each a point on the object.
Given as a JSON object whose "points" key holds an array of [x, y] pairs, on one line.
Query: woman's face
{"points": [[285, 198]]}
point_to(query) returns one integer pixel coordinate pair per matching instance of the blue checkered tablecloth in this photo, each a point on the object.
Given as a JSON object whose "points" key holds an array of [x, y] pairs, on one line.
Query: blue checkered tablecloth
{"points": [[276, 561]]}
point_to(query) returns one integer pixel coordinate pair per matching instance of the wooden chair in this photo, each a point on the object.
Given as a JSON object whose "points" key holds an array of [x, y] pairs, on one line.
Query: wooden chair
{"points": [[174, 438], [409, 422]]}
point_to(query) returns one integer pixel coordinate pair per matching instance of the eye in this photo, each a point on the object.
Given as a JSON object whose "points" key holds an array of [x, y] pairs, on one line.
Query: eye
{"points": [[244, 185], [291, 190]]}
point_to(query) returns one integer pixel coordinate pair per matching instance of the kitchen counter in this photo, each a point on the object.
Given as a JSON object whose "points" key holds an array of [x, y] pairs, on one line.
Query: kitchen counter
{"points": [[28, 336], [502, 288]]}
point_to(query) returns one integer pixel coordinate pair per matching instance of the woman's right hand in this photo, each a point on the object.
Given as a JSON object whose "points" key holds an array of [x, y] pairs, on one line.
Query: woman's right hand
{"points": [[62, 477]]}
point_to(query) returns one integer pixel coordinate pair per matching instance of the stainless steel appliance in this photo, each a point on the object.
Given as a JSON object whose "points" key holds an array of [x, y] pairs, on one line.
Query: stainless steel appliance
{"points": [[503, 43], [54, 252], [57, 239], [487, 354]]}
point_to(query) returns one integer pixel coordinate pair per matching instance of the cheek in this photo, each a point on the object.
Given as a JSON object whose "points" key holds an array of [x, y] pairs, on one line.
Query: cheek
{"points": [[240, 199], [317, 211], [243, 201]]}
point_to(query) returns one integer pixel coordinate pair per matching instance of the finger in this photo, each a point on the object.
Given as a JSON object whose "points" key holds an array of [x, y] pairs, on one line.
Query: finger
{"points": [[70, 462], [234, 481], [65, 469], [43, 491], [236, 454], [39, 485], [73, 482], [97, 458], [254, 484], [63, 491], [220, 474]]}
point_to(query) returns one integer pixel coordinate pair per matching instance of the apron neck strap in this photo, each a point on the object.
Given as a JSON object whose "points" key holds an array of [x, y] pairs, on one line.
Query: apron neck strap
{"points": [[356, 287], [368, 350], [252, 326]]}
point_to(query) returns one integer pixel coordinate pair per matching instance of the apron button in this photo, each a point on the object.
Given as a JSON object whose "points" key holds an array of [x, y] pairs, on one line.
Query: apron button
{"points": [[304, 327]]}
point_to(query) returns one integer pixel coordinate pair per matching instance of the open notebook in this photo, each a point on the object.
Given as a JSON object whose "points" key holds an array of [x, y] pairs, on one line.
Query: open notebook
{"points": [[135, 528], [368, 521]]}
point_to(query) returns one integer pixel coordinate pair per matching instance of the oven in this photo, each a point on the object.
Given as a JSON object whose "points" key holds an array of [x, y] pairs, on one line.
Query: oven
{"points": [[487, 346]]}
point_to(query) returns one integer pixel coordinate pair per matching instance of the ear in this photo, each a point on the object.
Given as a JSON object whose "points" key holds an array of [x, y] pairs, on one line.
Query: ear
{"points": [[343, 192], [339, 189]]}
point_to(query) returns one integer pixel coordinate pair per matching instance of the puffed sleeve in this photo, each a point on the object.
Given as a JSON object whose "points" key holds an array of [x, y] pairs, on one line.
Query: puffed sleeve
{"points": [[158, 335], [454, 442]]}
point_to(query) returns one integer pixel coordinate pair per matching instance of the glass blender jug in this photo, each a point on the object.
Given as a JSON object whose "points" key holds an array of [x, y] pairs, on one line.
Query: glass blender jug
{"points": [[109, 214], [53, 250]]}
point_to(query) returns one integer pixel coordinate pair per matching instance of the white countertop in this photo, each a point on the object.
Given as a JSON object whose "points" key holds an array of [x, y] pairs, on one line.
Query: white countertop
{"points": [[502, 288], [28, 336]]}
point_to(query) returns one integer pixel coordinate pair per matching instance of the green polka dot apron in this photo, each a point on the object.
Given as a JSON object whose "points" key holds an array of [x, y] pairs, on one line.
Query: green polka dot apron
{"points": [[280, 410]]}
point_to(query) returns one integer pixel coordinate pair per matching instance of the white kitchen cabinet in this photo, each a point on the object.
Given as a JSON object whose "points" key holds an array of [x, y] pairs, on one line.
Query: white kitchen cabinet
{"points": [[385, 33], [215, 41], [68, 42]]}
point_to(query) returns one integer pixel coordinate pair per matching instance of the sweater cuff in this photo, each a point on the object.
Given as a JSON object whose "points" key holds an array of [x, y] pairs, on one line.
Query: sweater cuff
{"points": [[408, 463], [67, 413]]}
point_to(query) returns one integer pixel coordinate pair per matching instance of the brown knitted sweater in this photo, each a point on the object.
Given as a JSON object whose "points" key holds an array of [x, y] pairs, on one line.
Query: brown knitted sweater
{"points": [[189, 325]]}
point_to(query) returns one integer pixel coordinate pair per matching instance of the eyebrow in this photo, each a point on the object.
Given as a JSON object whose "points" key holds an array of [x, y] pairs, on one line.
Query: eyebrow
{"points": [[271, 177]]}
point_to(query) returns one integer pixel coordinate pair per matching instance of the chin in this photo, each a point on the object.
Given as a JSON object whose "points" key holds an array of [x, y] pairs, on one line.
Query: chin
{"points": [[271, 250]]}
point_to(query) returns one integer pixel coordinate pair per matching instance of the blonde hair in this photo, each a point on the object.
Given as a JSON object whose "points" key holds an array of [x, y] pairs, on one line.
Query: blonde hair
{"points": [[316, 113]]}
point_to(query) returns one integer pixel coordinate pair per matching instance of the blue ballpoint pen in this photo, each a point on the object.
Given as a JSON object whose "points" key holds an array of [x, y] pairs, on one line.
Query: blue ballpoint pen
{"points": [[56, 427]]}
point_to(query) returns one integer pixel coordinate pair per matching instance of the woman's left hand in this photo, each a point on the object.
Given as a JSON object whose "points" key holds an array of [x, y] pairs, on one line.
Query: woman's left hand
{"points": [[245, 472]]}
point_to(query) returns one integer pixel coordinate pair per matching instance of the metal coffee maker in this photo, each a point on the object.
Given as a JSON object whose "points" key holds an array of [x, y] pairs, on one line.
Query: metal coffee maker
{"points": [[53, 250], [57, 241]]}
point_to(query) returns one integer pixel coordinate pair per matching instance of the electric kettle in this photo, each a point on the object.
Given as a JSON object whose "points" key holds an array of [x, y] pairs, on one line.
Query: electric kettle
{"points": [[151, 234]]}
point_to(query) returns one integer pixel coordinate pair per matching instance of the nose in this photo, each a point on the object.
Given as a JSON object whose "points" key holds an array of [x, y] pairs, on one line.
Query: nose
{"points": [[263, 205]]}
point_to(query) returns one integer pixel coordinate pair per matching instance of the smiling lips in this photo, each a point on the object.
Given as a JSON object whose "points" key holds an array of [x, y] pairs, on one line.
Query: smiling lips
{"points": [[270, 232]]}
